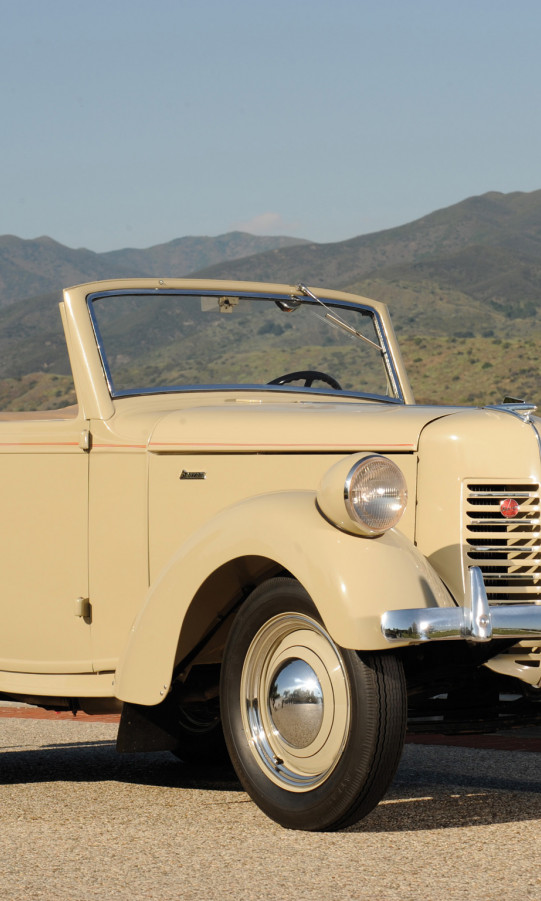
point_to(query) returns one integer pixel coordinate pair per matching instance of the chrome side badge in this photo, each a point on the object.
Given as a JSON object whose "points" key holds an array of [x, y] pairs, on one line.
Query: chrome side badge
{"points": [[191, 475]]}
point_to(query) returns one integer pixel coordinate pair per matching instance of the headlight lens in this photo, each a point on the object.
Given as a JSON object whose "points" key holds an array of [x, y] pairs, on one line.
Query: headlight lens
{"points": [[364, 495], [375, 493]]}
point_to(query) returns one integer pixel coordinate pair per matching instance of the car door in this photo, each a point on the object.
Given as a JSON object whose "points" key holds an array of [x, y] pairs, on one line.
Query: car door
{"points": [[44, 614]]}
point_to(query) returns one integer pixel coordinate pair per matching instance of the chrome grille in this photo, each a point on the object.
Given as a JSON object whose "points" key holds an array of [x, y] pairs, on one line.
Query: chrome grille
{"points": [[508, 551]]}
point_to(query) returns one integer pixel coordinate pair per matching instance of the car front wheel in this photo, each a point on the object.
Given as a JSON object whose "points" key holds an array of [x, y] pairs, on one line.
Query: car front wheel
{"points": [[314, 731]]}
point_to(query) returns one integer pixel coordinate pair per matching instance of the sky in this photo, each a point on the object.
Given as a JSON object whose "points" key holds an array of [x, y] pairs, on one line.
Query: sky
{"points": [[129, 123]]}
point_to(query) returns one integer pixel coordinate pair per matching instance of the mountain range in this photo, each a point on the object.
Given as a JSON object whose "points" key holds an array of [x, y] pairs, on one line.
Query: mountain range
{"points": [[468, 273], [32, 267]]}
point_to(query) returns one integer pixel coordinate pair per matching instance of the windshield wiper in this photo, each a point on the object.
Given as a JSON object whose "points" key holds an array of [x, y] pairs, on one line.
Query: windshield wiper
{"points": [[337, 320]]}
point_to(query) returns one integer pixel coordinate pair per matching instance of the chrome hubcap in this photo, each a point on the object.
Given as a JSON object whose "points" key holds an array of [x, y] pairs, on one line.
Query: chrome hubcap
{"points": [[295, 701]]}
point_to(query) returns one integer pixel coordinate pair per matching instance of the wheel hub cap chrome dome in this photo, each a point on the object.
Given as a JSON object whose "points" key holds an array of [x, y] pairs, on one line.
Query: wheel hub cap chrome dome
{"points": [[296, 703]]}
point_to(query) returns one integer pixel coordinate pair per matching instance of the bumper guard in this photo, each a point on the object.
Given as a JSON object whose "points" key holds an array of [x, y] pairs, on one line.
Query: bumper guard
{"points": [[476, 621]]}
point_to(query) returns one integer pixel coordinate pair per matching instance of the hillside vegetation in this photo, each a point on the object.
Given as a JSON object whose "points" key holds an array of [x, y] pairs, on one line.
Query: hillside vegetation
{"points": [[472, 370]]}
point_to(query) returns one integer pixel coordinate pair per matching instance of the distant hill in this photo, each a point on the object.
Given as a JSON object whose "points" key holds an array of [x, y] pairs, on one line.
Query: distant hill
{"points": [[35, 267], [509, 221], [474, 266]]}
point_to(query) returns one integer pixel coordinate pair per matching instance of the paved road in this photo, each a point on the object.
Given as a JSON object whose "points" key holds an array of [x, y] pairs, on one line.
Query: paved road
{"points": [[78, 821]]}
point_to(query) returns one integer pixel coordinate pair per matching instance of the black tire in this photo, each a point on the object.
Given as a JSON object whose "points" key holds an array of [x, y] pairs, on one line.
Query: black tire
{"points": [[352, 709]]}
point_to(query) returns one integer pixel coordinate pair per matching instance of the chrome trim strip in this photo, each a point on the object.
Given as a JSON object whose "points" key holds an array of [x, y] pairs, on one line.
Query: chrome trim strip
{"points": [[500, 549], [509, 521], [514, 577], [497, 494], [476, 621]]}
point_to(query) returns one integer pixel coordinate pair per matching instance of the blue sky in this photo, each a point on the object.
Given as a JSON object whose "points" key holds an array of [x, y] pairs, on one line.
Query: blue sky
{"points": [[128, 123]]}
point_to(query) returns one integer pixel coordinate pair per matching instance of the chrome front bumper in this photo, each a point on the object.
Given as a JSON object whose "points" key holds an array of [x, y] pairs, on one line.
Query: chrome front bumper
{"points": [[476, 621]]}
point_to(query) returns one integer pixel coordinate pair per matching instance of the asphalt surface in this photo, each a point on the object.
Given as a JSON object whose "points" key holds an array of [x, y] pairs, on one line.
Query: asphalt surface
{"points": [[78, 821]]}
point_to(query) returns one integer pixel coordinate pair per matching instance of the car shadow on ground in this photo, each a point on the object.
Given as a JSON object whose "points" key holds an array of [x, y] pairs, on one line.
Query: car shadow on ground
{"points": [[98, 761], [421, 798]]}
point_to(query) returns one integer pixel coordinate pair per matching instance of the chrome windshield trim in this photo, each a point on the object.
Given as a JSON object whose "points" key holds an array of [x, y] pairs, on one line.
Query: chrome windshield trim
{"points": [[306, 393], [208, 292], [101, 349], [394, 383], [476, 621]]}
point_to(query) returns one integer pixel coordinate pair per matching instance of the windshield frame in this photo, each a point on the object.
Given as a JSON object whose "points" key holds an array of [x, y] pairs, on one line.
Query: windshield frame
{"points": [[296, 297]]}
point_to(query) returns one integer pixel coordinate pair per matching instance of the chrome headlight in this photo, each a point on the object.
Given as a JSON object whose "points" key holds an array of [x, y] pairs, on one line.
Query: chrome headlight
{"points": [[365, 495]]}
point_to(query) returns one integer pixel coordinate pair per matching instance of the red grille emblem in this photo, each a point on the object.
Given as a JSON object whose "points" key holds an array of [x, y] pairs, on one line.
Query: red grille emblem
{"points": [[509, 507]]}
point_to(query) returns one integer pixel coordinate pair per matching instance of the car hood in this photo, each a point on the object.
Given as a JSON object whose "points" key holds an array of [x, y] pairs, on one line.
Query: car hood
{"points": [[248, 426]]}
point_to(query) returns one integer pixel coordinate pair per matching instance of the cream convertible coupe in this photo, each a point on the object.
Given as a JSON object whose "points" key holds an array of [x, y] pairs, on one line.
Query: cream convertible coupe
{"points": [[247, 530]]}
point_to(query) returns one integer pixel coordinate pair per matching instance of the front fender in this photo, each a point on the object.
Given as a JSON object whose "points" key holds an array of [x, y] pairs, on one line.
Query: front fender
{"points": [[352, 581]]}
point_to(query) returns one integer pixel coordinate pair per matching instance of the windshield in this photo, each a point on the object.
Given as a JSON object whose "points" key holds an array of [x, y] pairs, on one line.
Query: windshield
{"points": [[154, 342]]}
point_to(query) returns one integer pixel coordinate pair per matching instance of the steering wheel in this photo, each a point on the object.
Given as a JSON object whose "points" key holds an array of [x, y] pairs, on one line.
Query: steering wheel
{"points": [[309, 376]]}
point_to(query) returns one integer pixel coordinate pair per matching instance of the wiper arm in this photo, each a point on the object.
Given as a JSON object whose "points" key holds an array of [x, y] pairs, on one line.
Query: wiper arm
{"points": [[337, 320]]}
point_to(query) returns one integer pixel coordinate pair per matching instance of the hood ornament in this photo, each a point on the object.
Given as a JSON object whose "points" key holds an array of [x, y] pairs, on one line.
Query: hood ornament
{"points": [[516, 407]]}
